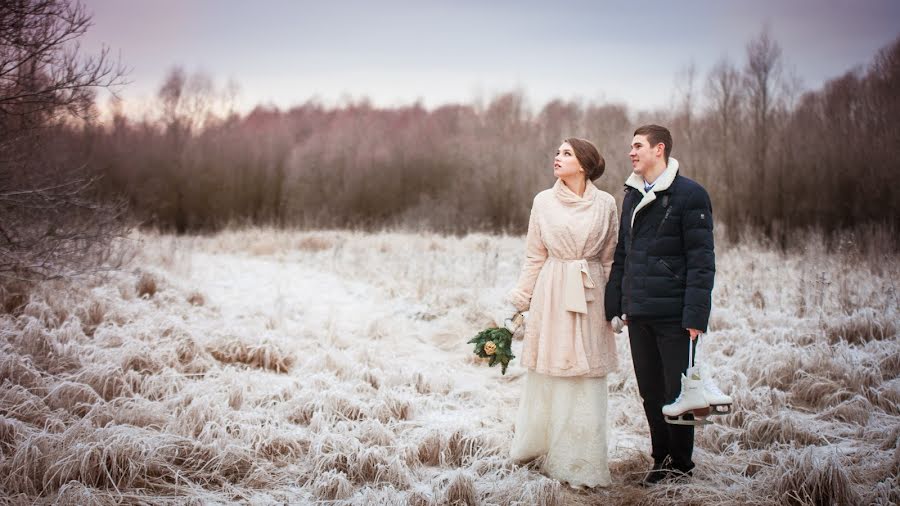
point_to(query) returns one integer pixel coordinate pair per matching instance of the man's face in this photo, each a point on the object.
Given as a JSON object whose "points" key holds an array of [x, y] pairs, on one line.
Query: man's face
{"points": [[643, 156]]}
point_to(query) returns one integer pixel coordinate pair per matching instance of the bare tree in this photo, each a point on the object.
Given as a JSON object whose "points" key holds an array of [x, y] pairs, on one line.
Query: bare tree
{"points": [[685, 80], [724, 95], [53, 223], [761, 79]]}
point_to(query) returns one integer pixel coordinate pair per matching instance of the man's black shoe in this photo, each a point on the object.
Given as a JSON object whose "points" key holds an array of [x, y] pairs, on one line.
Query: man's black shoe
{"points": [[658, 473]]}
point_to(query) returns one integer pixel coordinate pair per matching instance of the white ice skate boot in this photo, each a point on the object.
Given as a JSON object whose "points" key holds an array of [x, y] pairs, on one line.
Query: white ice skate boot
{"points": [[719, 402], [691, 406]]}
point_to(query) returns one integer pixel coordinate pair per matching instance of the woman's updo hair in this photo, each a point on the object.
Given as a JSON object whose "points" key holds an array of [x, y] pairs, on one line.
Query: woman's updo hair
{"points": [[590, 159]]}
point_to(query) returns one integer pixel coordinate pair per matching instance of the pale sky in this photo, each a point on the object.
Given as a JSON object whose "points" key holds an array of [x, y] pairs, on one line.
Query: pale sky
{"points": [[287, 52]]}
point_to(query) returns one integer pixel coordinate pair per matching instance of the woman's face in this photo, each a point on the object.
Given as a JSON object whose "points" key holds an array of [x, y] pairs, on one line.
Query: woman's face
{"points": [[565, 164]]}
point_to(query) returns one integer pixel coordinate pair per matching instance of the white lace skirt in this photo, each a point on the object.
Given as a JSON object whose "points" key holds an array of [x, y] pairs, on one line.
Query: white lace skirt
{"points": [[564, 419]]}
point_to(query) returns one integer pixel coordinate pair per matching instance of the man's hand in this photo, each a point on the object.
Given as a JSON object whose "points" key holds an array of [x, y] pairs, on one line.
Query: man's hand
{"points": [[618, 323], [694, 333]]}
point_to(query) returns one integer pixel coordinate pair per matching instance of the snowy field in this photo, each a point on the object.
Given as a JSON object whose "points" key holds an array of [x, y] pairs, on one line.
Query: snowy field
{"points": [[262, 366]]}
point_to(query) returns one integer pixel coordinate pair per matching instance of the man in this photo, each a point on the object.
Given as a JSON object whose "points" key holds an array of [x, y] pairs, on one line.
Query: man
{"points": [[661, 280]]}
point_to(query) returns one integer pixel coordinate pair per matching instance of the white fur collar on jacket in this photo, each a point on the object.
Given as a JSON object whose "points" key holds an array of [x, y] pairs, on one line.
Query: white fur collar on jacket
{"points": [[662, 183]]}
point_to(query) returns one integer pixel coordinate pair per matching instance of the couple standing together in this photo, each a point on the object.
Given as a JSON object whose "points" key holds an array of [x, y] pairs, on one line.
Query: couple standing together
{"points": [[583, 267]]}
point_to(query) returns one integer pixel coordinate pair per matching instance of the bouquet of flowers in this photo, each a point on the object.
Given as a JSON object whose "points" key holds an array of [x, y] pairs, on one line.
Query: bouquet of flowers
{"points": [[495, 343]]}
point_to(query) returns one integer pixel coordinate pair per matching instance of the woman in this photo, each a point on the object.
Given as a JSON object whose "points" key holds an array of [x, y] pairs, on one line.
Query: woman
{"points": [[569, 346]]}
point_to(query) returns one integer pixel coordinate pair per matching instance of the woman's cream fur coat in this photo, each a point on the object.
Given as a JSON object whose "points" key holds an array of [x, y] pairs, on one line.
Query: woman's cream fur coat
{"points": [[568, 254]]}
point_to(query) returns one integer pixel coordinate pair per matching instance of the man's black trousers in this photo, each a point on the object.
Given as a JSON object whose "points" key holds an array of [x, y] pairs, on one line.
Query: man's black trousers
{"points": [[659, 351]]}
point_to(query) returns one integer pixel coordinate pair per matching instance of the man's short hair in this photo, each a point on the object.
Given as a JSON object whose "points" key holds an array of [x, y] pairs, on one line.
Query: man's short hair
{"points": [[656, 134]]}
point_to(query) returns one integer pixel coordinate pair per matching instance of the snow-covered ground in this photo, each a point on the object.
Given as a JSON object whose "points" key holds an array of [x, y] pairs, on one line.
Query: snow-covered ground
{"points": [[272, 366]]}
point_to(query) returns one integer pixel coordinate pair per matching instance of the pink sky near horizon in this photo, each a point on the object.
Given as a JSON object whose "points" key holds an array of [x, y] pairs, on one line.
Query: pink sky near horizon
{"points": [[285, 53]]}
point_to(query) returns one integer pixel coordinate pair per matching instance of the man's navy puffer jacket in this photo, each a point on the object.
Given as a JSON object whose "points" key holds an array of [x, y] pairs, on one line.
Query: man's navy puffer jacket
{"points": [[664, 264]]}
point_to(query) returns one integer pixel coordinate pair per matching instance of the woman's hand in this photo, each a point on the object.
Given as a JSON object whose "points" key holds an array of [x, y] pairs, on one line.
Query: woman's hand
{"points": [[504, 313]]}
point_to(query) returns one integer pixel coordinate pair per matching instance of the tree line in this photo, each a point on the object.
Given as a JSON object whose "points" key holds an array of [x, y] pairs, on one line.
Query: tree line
{"points": [[774, 159]]}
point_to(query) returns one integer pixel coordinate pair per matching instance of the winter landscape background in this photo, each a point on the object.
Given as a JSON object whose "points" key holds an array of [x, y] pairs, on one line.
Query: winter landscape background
{"points": [[208, 304]]}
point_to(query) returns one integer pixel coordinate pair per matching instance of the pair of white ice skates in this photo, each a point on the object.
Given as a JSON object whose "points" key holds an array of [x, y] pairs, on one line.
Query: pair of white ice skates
{"points": [[699, 397]]}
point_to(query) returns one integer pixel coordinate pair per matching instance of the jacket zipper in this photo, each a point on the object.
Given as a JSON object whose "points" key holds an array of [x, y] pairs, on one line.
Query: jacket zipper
{"points": [[627, 256], [663, 222], [671, 271]]}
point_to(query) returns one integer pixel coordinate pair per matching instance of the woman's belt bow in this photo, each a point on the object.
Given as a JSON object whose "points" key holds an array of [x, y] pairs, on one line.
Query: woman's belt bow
{"points": [[578, 278]]}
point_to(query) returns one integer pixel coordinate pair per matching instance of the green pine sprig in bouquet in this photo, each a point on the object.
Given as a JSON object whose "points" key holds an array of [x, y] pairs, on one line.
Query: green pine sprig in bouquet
{"points": [[496, 343]]}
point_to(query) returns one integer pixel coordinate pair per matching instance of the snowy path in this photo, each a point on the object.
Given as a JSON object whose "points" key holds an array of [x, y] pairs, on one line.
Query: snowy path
{"points": [[281, 293], [305, 303]]}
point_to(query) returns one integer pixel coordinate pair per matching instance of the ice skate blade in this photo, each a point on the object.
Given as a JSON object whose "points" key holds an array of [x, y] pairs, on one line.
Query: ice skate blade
{"points": [[696, 422], [687, 419], [720, 409]]}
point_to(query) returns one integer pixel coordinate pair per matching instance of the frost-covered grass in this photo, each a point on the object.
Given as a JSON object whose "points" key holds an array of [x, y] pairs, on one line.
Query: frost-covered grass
{"points": [[265, 366]]}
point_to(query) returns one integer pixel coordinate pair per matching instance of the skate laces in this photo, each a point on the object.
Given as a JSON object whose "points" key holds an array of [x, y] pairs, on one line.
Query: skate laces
{"points": [[703, 371], [710, 386], [681, 393]]}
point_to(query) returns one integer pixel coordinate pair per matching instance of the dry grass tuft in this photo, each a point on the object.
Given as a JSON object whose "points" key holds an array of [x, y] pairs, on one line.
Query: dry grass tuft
{"points": [[374, 433], [13, 297], [344, 408], [460, 489], [816, 391], [137, 412], [140, 358], [113, 462], [890, 365], [278, 444], [777, 371], [189, 356], [195, 298], [862, 326], [264, 354], [19, 370], [21, 404], [856, 410], [368, 465], [147, 285], [41, 311], [542, 492], [885, 398], [92, 315], [335, 452], [301, 410], [814, 476], [313, 243], [76, 398], [108, 381], [76, 494], [418, 498], [460, 448], [11, 432], [429, 448], [332, 485], [760, 432], [392, 408]]}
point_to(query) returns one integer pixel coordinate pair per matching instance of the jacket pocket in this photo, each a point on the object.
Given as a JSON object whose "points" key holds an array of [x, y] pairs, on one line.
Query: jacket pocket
{"points": [[671, 271]]}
